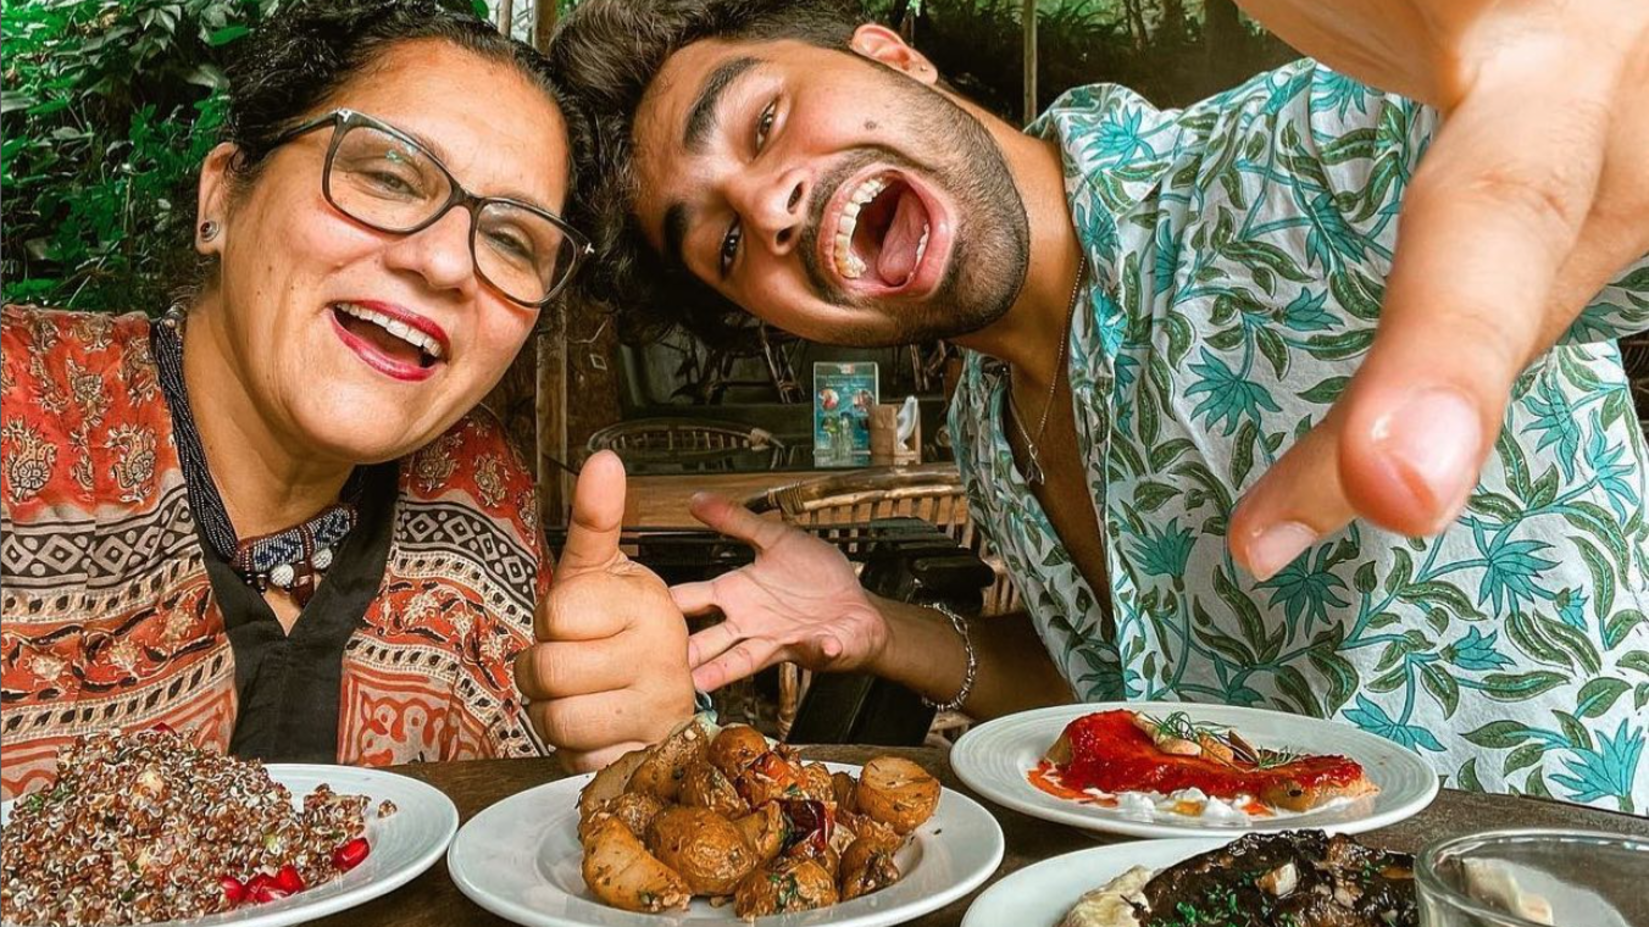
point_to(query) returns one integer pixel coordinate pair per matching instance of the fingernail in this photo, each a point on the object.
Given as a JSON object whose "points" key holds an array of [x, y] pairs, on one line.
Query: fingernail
{"points": [[1432, 443], [1277, 546]]}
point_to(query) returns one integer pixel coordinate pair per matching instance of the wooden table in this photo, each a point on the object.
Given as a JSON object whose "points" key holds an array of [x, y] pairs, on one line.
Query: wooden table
{"points": [[432, 899], [660, 501]]}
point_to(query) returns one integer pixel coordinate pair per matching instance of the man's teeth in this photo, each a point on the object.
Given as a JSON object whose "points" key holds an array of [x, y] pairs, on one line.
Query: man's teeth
{"points": [[921, 248], [847, 263], [395, 327]]}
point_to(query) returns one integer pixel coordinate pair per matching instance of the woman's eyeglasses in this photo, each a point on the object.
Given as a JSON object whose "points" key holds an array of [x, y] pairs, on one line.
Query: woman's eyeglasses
{"points": [[380, 177]]}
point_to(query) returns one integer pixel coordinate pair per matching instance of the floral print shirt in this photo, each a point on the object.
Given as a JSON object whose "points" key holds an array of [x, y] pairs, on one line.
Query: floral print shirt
{"points": [[1239, 249]]}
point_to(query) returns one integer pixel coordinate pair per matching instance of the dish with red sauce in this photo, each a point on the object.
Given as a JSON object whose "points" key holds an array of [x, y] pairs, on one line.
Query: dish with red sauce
{"points": [[1175, 766]]}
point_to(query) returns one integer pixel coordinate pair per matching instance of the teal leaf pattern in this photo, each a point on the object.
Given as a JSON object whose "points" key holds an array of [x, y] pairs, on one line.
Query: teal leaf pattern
{"points": [[1239, 250]]}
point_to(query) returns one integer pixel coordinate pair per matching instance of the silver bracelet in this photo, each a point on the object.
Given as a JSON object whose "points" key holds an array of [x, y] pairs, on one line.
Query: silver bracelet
{"points": [[968, 675]]}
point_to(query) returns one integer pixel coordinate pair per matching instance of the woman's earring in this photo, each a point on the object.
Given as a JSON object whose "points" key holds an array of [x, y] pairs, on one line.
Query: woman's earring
{"points": [[208, 230]]}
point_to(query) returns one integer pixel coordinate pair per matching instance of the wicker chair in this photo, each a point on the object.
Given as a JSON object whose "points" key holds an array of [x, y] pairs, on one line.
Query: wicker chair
{"points": [[661, 437], [931, 492]]}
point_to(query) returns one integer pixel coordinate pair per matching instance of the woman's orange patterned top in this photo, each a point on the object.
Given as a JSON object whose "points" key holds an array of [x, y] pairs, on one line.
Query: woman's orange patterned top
{"points": [[109, 617]]}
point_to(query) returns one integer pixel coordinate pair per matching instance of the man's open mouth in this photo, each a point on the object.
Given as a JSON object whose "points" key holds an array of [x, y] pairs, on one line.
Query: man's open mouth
{"points": [[392, 338], [881, 232]]}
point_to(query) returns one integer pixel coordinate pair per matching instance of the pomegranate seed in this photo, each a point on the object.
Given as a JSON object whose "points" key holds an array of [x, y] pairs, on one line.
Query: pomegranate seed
{"points": [[258, 884], [233, 889], [269, 893], [288, 880], [350, 854]]}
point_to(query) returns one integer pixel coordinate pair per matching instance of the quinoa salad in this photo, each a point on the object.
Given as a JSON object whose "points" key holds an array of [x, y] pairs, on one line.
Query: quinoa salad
{"points": [[145, 827]]}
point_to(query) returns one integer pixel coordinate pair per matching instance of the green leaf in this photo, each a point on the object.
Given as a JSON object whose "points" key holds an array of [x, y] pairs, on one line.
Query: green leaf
{"points": [[1149, 423], [1573, 731], [1599, 695], [1442, 687], [1438, 618], [1168, 451], [1439, 593], [1523, 757], [1253, 627], [1402, 567], [1227, 339], [1603, 577], [1259, 254], [226, 35], [1340, 347], [1327, 391], [1600, 524], [1341, 676], [1358, 295], [209, 76], [1636, 660], [1536, 786], [1272, 346], [1518, 687], [1574, 641], [1151, 495], [1366, 579], [1514, 463], [1622, 624], [12, 100], [1545, 489], [1391, 681], [1499, 735], [1242, 452], [1496, 505], [49, 107], [1180, 337], [1382, 620], [1468, 776], [1527, 635], [1293, 685]]}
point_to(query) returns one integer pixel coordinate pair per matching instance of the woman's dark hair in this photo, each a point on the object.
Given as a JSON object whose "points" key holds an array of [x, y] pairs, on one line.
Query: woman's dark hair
{"points": [[606, 54], [308, 50]]}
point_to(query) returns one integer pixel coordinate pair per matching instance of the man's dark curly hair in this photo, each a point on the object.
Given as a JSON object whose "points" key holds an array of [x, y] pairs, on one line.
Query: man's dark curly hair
{"points": [[606, 54]]}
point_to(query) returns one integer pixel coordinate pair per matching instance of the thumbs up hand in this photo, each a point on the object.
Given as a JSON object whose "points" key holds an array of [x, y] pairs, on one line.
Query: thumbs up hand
{"points": [[609, 671]]}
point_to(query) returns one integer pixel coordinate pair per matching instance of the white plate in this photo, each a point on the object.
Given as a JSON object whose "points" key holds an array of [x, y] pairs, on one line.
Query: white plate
{"points": [[521, 859], [1040, 895], [994, 757], [403, 845]]}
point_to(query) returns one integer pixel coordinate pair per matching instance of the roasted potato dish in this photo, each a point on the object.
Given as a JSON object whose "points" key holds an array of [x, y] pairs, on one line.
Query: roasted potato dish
{"points": [[783, 886], [734, 748], [660, 773], [622, 874], [728, 816], [704, 847], [897, 792]]}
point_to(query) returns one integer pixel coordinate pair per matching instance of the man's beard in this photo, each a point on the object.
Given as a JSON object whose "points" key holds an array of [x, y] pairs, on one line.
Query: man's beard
{"points": [[991, 250]]}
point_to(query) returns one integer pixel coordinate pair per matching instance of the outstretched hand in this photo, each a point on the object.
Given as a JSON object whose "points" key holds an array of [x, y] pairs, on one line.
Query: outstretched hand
{"points": [[1533, 196], [800, 601], [609, 671]]}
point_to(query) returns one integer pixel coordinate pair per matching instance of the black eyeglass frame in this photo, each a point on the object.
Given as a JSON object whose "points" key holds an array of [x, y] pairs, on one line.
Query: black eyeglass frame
{"points": [[342, 120]]}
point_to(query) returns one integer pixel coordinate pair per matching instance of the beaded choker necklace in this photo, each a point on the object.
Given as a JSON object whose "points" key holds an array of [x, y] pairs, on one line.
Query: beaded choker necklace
{"points": [[293, 560]]}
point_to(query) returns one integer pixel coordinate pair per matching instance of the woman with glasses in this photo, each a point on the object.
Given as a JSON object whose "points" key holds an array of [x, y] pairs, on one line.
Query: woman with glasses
{"points": [[274, 520]]}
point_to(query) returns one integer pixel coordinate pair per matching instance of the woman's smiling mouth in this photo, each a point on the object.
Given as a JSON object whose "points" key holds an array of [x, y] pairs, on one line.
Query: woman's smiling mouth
{"points": [[391, 340]]}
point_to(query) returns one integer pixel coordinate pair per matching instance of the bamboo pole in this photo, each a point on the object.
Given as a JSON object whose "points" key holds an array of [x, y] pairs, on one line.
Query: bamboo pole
{"points": [[506, 17], [550, 407], [544, 17], [550, 398], [1028, 27]]}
